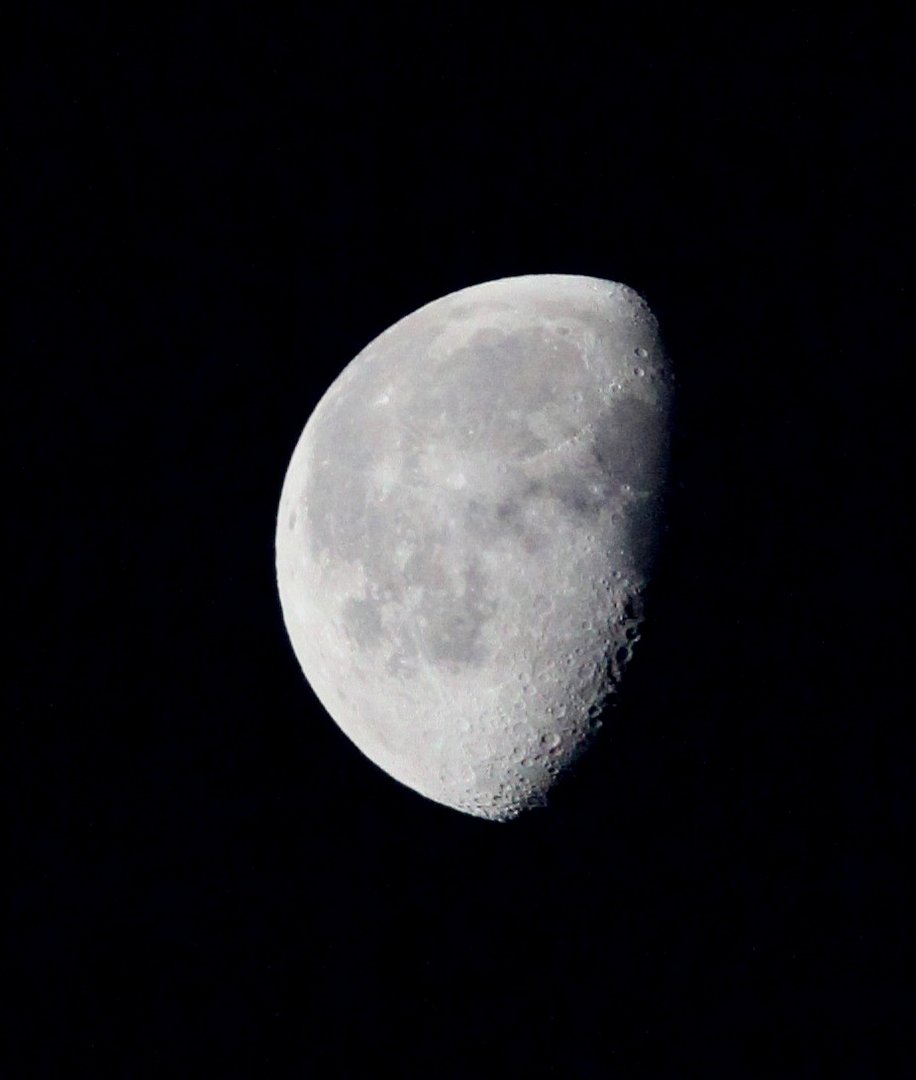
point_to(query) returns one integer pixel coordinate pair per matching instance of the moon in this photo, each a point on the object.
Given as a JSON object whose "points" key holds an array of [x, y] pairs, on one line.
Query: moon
{"points": [[466, 529]]}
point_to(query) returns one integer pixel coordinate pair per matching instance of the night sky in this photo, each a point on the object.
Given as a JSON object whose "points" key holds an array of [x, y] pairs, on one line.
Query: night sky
{"points": [[211, 215]]}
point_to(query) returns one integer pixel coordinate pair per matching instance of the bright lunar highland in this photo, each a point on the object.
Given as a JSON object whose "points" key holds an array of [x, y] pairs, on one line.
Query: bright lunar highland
{"points": [[466, 529]]}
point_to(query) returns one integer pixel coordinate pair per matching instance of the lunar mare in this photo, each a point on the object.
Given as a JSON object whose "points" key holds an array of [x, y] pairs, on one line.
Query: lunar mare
{"points": [[467, 526]]}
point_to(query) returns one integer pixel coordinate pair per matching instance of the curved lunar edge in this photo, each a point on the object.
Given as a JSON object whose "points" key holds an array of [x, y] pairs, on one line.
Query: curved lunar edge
{"points": [[466, 529]]}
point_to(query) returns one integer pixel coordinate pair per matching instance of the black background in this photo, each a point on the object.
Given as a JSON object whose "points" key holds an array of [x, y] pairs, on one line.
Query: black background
{"points": [[211, 215]]}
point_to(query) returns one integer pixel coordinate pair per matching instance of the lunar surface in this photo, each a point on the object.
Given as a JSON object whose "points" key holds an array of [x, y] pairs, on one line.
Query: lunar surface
{"points": [[466, 529]]}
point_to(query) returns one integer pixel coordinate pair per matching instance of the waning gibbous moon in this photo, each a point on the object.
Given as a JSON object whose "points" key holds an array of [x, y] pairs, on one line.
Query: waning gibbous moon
{"points": [[467, 526]]}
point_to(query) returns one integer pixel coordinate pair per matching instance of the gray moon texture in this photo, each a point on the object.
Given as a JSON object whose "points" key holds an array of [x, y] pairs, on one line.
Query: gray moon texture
{"points": [[466, 530]]}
